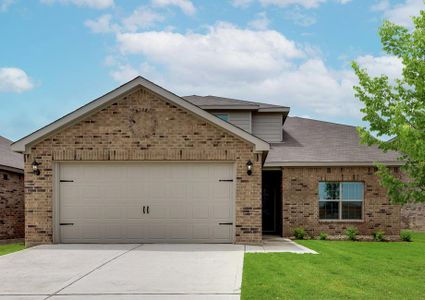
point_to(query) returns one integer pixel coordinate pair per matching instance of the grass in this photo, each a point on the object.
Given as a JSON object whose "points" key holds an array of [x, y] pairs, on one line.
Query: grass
{"points": [[10, 248], [341, 270]]}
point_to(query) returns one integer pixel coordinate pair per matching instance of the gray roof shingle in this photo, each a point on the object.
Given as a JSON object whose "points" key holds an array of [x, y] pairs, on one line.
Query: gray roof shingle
{"points": [[312, 142], [8, 158], [205, 101]]}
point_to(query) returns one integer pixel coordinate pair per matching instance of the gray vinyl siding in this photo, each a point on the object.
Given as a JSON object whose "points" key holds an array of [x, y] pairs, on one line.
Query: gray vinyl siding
{"points": [[267, 126], [241, 119]]}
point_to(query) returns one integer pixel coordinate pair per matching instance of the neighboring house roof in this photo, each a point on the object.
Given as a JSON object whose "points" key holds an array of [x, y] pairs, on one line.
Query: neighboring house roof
{"points": [[214, 102], [10, 160], [109, 98], [309, 142]]}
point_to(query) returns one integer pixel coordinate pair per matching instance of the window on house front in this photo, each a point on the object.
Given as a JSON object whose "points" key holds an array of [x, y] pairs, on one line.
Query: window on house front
{"points": [[341, 200], [224, 117]]}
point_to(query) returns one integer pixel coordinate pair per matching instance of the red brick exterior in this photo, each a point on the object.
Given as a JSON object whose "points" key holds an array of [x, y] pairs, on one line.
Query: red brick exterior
{"points": [[141, 127], [301, 209], [11, 205]]}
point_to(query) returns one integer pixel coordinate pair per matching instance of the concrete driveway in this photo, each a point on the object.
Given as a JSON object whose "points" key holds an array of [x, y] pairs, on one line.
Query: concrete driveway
{"points": [[149, 271]]}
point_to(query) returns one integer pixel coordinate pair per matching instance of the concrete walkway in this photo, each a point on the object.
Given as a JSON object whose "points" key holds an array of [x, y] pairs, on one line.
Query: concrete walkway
{"points": [[129, 272], [278, 244]]}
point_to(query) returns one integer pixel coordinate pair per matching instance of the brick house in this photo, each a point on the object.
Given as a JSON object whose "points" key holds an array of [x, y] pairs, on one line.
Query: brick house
{"points": [[11, 192], [142, 165]]}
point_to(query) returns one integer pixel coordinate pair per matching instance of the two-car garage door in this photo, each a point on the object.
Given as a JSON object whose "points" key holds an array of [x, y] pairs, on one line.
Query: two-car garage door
{"points": [[146, 202]]}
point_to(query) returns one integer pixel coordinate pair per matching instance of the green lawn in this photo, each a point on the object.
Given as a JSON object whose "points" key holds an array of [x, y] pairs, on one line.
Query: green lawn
{"points": [[6, 249], [341, 270]]}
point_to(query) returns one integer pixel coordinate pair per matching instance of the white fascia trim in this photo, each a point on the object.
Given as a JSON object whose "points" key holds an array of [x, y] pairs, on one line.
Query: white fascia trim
{"points": [[331, 164], [99, 103]]}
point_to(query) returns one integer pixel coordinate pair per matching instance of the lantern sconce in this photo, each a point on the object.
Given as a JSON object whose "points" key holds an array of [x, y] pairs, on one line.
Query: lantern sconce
{"points": [[35, 169], [249, 168]]}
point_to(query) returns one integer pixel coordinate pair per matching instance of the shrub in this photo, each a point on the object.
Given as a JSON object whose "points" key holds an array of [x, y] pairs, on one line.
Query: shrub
{"points": [[323, 236], [406, 236], [299, 233], [378, 236], [352, 233]]}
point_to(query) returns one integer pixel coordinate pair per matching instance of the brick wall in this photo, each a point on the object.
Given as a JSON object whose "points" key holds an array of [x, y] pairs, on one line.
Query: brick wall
{"points": [[413, 216], [141, 127], [11, 205], [300, 201]]}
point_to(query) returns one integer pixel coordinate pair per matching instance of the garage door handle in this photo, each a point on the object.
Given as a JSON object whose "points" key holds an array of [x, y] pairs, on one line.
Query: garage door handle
{"points": [[144, 209], [147, 209], [229, 223], [66, 224]]}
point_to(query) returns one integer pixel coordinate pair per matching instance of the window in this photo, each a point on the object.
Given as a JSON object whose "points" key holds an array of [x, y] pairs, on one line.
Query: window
{"points": [[224, 117], [341, 200], [5, 177]]}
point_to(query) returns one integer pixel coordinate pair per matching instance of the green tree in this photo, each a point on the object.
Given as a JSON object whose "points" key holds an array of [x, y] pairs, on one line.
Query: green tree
{"points": [[397, 109]]}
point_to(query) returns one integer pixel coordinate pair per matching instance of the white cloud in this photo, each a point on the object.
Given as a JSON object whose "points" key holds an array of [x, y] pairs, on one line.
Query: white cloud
{"points": [[389, 65], [260, 65], [400, 13], [98, 4], [298, 17], [185, 5], [241, 3], [224, 49], [261, 22], [101, 25], [5, 4], [142, 18], [14, 80], [123, 73], [303, 3], [343, 1]]}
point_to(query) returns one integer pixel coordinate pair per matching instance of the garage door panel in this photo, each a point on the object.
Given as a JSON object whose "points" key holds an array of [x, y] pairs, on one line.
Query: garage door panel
{"points": [[221, 211], [186, 202], [133, 212], [157, 211], [200, 212], [135, 231], [176, 212], [70, 211], [223, 232], [88, 212], [110, 212], [201, 231]]}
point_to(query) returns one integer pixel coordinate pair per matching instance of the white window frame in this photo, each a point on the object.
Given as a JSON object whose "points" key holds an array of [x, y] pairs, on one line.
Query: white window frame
{"points": [[341, 200]]}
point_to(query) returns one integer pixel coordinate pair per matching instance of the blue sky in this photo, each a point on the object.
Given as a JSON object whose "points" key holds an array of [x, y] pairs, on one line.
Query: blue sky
{"points": [[57, 55]]}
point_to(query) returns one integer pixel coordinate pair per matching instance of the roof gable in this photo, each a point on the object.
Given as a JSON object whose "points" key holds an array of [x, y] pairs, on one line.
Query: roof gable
{"points": [[109, 98]]}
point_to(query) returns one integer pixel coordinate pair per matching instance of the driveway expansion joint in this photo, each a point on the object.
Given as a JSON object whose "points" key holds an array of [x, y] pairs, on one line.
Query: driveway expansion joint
{"points": [[93, 270]]}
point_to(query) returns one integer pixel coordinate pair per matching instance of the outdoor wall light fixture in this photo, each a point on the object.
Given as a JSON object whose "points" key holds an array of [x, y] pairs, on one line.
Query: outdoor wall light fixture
{"points": [[249, 168], [35, 169]]}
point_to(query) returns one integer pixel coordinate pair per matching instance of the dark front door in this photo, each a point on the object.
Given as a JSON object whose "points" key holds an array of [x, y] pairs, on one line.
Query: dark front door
{"points": [[272, 202]]}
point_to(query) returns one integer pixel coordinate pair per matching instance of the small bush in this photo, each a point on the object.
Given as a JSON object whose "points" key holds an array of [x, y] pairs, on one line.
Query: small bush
{"points": [[299, 233], [379, 236], [323, 236], [406, 236], [352, 233]]}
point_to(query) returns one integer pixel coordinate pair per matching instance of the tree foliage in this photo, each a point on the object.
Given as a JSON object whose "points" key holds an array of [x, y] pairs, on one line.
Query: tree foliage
{"points": [[396, 108]]}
